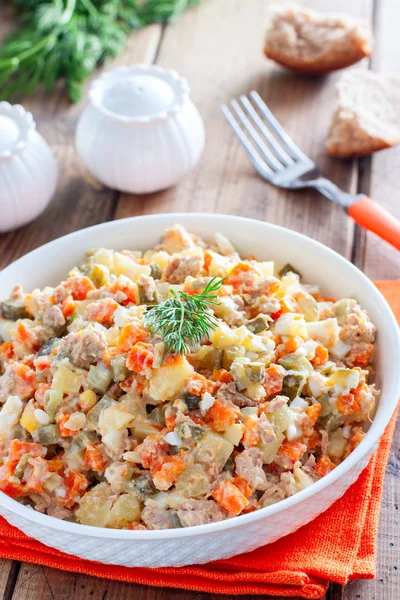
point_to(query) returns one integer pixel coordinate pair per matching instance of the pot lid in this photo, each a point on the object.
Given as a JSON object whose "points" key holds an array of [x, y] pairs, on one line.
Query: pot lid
{"points": [[141, 93], [15, 125]]}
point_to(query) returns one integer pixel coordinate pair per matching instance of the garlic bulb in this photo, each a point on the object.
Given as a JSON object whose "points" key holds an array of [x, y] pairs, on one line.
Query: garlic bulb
{"points": [[140, 132], [28, 170]]}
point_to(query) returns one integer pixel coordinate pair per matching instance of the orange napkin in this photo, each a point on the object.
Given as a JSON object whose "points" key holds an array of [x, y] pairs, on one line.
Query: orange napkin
{"points": [[337, 546]]}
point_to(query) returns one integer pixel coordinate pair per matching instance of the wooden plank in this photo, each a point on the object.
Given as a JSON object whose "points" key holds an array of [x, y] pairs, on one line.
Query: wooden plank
{"points": [[379, 260]]}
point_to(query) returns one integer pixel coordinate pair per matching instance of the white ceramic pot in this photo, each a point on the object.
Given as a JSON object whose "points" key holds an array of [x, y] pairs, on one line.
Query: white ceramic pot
{"points": [[28, 170], [176, 547], [140, 131]]}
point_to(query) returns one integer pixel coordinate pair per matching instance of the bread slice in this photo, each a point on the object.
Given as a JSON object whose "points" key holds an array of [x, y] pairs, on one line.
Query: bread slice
{"points": [[316, 43], [368, 115]]}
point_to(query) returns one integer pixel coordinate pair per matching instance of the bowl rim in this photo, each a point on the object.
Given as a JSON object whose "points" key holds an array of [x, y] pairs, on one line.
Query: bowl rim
{"points": [[370, 440]]}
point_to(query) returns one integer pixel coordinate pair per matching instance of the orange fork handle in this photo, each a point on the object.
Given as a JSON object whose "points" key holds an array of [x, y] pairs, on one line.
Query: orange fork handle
{"points": [[371, 216]]}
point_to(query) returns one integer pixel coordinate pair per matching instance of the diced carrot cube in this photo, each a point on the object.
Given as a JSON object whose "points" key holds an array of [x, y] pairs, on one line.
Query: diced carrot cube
{"points": [[230, 498], [64, 431], [273, 380], [18, 449], [130, 335], [152, 451], [292, 450], [243, 486], [101, 311], [222, 376], [54, 465], [347, 404], [222, 414], [96, 458], [127, 287], [7, 350], [324, 465], [25, 381], [79, 286], [356, 437], [40, 392], [313, 412], [207, 260], [14, 489], [75, 484], [251, 436], [321, 356], [164, 475], [68, 306], [241, 277], [361, 359], [198, 384], [140, 357]]}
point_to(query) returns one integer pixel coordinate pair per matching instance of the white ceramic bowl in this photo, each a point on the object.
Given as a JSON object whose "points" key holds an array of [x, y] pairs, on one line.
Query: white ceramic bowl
{"points": [[50, 263]]}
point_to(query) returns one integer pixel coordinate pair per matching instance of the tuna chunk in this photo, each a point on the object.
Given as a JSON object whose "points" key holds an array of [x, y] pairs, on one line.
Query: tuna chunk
{"points": [[180, 267], [265, 430], [17, 380], [53, 317], [155, 517], [176, 239], [249, 467], [356, 329], [229, 392], [200, 512], [85, 347]]}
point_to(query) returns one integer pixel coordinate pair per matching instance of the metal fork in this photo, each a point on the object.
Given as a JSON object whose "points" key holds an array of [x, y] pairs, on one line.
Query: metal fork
{"points": [[280, 161]]}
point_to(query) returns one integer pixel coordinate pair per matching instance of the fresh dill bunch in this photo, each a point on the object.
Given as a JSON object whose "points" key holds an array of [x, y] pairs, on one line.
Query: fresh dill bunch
{"points": [[184, 319], [68, 39]]}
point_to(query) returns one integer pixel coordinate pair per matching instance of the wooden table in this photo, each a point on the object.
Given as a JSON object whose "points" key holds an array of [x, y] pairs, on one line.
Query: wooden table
{"points": [[218, 48]]}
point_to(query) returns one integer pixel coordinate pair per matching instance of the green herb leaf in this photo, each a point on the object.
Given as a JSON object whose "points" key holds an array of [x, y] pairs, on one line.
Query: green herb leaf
{"points": [[68, 39], [183, 320]]}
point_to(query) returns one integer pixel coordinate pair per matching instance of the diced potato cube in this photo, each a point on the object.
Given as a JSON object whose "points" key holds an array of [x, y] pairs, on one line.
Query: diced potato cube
{"points": [[265, 269], [124, 511], [66, 380], [344, 379], [114, 418], [291, 324], [161, 259], [95, 506], [281, 418], [223, 336], [28, 420], [326, 332], [220, 266], [124, 265], [213, 450], [255, 391], [104, 257], [269, 450], [234, 433], [112, 334], [337, 444], [193, 482], [52, 483], [87, 400], [141, 428], [169, 380], [9, 417]]}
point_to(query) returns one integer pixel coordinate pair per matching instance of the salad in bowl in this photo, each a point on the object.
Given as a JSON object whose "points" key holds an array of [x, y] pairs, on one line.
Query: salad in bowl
{"points": [[177, 386], [178, 389]]}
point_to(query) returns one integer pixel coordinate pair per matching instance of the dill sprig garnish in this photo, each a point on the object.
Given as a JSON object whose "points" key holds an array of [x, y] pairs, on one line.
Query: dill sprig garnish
{"points": [[184, 319], [68, 39]]}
